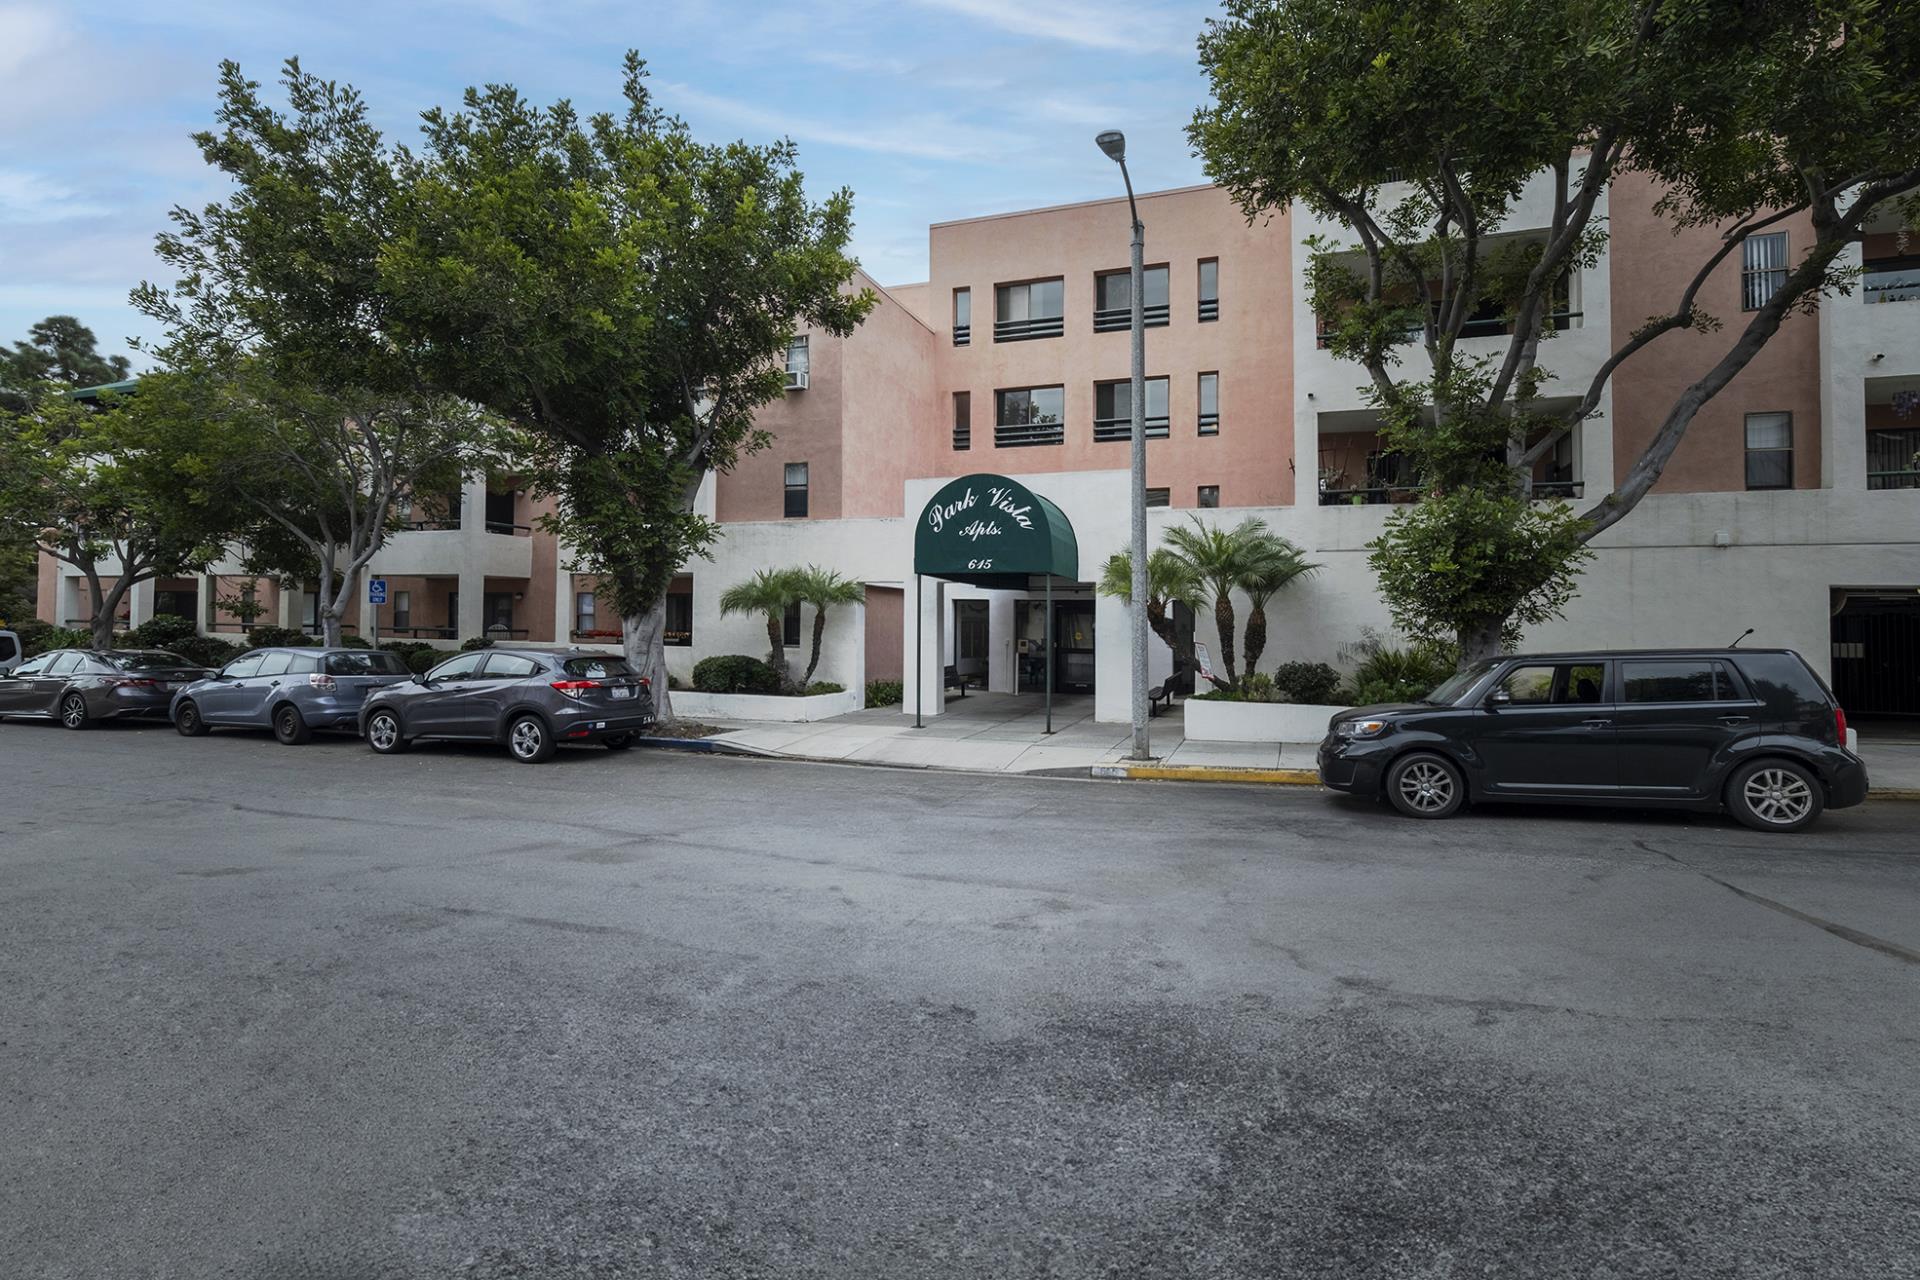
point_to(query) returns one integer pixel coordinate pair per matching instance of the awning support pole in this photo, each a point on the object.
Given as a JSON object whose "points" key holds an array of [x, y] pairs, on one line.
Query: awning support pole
{"points": [[919, 644], [1049, 653]]}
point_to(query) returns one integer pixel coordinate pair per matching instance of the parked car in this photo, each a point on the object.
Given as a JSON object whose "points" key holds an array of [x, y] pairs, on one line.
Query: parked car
{"points": [[528, 700], [1753, 731], [12, 654], [292, 691], [80, 686]]}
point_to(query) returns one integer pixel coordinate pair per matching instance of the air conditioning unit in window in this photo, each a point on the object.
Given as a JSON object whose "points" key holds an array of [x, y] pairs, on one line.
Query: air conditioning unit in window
{"points": [[796, 379]]}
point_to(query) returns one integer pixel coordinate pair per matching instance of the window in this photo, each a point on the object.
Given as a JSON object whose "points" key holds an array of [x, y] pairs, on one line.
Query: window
{"points": [[1209, 496], [464, 667], [585, 617], [34, 667], [1556, 684], [510, 666], [962, 317], [402, 610], [1113, 410], [679, 618], [1113, 299], [1763, 269], [1033, 310], [962, 420], [274, 664], [1679, 680], [598, 667], [242, 667], [66, 664], [1159, 497], [796, 490], [798, 364], [1029, 415], [365, 662], [1769, 451], [298, 664], [790, 626], [1209, 289], [1209, 404], [9, 649]]}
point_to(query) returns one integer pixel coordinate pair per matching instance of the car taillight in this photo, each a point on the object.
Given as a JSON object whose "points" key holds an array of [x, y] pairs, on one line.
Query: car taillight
{"points": [[575, 688], [1840, 724], [132, 682], [645, 683], [320, 680]]}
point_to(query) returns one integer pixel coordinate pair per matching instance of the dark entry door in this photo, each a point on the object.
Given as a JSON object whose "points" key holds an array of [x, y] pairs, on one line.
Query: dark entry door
{"points": [[1073, 646]]}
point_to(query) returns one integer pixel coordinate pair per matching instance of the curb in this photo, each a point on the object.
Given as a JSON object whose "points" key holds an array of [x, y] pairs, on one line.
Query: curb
{"points": [[1205, 773], [699, 746], [1894, 793]]}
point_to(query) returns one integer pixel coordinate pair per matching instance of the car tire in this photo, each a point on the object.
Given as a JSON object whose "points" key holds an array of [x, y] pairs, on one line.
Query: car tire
{"points": [[385, 734], [1422, 784], [73, 712], [289, 726], [1775, 795], [187, 722], [619, 741], [529, 740]]}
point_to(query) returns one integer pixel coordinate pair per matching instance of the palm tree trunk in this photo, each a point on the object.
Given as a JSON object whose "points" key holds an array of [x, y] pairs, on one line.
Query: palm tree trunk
{"points": [[1223, 623], [1255, 642], [819, 630], [777, 649]]}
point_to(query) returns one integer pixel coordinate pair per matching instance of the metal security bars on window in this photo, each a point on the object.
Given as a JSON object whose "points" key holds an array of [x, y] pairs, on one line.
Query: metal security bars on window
{"points": [[1029, 416], [1763, 269], [1113, 411], [1032, 310], [1113, 299]]}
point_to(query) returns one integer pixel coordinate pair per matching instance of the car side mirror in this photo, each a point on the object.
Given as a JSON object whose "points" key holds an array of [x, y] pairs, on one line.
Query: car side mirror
{"points": [[1499, 698]]}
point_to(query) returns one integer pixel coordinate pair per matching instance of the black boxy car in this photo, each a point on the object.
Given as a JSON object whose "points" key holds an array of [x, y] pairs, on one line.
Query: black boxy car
{"points": [[1753, 731]]}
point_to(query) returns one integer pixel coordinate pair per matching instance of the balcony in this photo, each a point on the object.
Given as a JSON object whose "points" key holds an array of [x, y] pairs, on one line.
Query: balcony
{"points": [[1121, 318], [1019, 435], [1107, 430], [1479, 327], [1026, 330], [1543, 491], [1893, 458], [1891, 280]]}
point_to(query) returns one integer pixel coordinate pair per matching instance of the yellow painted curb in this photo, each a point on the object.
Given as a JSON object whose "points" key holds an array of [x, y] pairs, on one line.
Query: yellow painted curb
{"points": [[1204, 773]]}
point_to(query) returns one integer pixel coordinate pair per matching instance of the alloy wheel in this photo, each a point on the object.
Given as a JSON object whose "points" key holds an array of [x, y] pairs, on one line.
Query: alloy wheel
{"points": [[1426, 786], [383, 732], [1779, 796], [526, 738], [73, 711]]}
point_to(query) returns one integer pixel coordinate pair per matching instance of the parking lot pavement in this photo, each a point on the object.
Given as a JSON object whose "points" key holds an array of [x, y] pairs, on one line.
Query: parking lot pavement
{"points": [[292, 1012]]}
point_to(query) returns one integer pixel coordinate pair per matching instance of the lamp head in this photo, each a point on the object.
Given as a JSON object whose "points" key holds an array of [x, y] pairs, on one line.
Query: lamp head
{"points": [[1114, 143]]}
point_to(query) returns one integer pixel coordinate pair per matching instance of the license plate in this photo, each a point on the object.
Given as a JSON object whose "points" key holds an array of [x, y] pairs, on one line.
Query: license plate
{"points": [[621, 691], [168, 686]]}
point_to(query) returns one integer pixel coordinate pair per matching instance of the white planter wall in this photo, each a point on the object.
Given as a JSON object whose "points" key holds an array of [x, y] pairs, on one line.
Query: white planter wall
{"points": [[690, 705], [1211, 721]]}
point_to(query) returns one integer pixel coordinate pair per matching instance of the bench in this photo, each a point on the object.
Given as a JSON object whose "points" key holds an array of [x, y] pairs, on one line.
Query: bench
{"points": [[1164, 694], [952, 679]]}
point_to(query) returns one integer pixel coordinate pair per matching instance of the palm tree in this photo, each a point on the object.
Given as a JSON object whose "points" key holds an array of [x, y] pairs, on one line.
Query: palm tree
{"points": [[823, 589], [1220, 560], [769, 591], [1276, 564], [1170, 580]]}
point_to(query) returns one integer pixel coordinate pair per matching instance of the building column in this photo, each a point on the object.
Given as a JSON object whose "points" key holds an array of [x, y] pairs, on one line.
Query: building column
{"points": [[929, 620], [209, 588], [140, 602], [1003, 662], [563, 601], [1843, 398]]}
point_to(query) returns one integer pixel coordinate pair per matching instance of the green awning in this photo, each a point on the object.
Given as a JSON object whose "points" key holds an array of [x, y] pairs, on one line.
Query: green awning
{"points": [[990, 531]]}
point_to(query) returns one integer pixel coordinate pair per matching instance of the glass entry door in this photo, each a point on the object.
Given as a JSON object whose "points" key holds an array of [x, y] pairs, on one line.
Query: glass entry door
{"points": [[1073, 646]]}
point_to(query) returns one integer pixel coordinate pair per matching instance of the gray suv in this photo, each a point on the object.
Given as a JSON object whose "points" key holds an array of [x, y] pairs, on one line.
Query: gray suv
{"points": [[292, 691], [529, 700]]}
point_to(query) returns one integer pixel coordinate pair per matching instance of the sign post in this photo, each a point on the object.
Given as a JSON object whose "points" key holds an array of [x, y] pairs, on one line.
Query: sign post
{"points": [[376, 596]]}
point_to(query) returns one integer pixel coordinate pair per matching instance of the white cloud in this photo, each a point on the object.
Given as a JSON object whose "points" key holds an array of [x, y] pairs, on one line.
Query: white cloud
{"points": [[33, 197], [27, 34], [1108, 24], [928, 137]]}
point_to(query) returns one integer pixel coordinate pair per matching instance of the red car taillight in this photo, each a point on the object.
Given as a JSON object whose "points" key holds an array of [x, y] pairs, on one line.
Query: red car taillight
{"points": [[131, 682], [575, 688], [646, 683], [1840, 724], [320, 680]]}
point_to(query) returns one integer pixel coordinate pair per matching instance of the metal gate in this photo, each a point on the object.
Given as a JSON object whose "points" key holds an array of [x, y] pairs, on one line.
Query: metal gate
{"points": [[1876, 654]]}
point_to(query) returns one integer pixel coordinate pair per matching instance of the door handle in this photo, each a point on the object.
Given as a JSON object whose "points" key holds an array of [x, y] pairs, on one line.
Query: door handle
{"points": [[1596, 724], [1733, 719], [273, 684]]}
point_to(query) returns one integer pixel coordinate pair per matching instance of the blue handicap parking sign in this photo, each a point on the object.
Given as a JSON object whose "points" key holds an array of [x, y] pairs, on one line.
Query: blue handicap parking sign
{"points": [[376, 590]]}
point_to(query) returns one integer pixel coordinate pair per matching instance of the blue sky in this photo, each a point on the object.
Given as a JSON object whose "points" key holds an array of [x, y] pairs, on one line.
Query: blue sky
{"points": [[927, 109]]}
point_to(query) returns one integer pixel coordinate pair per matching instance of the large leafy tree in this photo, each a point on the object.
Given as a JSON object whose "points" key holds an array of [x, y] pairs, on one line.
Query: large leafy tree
{"points": [[1416, 124], [58, 351]]}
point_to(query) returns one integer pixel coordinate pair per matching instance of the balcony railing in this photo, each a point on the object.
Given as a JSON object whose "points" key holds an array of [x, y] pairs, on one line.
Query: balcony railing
{"points": [[1543, 491], [1112, 318], [1209, 424], [1891, 282], [1024, 330], [1893, 458], [962, 334], [1490, 327], [1106, 430], [509, 528], [962, 436], [1209, 309], [430, 526], [421, 633], [1016, 435]]}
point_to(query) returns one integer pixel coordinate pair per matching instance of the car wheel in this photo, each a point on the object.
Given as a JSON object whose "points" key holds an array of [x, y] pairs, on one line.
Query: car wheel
{"points": [[188, 723], [1425, 785], [619, 741], [73, 712], [290, 726], [528, 740], [1774, 795], [383, 733]]}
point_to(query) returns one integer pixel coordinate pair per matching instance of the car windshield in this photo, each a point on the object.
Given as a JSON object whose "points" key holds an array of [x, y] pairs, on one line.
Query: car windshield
{"points": [[365, 662], [598, 668], [1454, 687], [146, 659]]}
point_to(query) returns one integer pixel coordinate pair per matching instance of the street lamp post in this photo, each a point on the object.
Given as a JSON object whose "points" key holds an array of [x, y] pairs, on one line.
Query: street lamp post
{"points": [[1114, 144]]}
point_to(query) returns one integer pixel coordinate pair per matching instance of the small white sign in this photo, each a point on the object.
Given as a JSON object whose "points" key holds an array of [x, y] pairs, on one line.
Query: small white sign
{"points": [[1200, 658]]}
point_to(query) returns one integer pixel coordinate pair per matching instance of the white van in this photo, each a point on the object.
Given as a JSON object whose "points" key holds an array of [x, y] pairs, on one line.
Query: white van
{"points": [[9, 652]]}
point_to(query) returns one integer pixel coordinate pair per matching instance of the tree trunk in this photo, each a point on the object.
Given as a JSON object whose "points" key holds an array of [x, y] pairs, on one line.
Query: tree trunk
{"points": [[813, 662], [105, 605], [1161, 625], [1223, 623], [1479, 640], [1255, 642], [777, 647], [644, 640]]}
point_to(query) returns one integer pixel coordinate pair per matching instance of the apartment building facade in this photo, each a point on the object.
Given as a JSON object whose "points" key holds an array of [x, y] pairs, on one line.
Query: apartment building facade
{"points": [[1792, 507]]}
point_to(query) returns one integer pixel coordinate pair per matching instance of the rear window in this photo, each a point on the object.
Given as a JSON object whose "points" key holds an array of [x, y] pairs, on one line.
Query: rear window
{"points": [[365, 662], [1676, 680], [598, 667], [510, 666], [301, 664], [146, 660], [9, 648]]}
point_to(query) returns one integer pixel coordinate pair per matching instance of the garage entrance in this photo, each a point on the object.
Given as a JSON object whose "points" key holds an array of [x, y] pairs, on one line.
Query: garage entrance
{"points": [[1876, 650]]}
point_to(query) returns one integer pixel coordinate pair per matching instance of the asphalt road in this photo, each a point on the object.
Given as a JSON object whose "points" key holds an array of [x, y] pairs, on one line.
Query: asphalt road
{"points": [[308, 1012]]}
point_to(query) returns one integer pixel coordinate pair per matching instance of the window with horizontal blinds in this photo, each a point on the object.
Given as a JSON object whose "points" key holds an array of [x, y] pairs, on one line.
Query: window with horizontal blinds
{"points": [[1763, 269], [1769, 450]]}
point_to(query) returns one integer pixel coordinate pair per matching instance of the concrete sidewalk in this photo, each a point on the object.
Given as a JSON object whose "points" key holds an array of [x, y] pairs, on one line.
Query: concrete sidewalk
{"points": [[1006, 733]]}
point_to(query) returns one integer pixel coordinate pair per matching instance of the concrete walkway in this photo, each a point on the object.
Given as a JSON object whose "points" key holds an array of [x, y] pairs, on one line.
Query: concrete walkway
{"points": [[1006, 733]]}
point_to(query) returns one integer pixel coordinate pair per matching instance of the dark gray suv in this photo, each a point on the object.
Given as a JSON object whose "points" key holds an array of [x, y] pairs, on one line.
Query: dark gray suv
{"points": [[529, 700], [292, 691]]}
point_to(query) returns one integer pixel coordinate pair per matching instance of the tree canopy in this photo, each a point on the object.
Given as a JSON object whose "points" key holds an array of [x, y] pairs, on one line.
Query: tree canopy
{"points": [[58, 351]]}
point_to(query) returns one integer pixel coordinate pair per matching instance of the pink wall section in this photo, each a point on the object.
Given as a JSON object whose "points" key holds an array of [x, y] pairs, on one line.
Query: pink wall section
{"points": [[1649, 266]]}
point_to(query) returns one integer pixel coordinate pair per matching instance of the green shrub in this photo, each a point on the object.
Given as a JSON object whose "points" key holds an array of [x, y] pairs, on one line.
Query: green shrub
{"points": [[354, 642], [37, 637], [278, 638], [1388, 674], [884, 693], [1308, 682], [734, 673], [476, 642], [825, 686], [420, 661], [205, 651], [162, 631]]}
